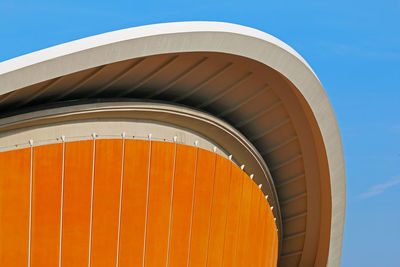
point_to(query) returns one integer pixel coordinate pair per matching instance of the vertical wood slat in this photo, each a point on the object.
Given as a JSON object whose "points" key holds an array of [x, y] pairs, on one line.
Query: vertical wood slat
{"points": [[219, 211], [253, 226], [106, 202], [46, 201], [269, 236], [182, 205], [14, 207], [233, 219], [147, 204], [120, 196], [202, 208], [77, 203], [134, 198], [161, 174], [91, 200], [274, 246], [261, 240], [244, 224]]}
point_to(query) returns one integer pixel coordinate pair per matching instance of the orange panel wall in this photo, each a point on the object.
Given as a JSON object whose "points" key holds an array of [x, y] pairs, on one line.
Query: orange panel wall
{"points": [[182, 204], [134, 199], [260, 241], [233, 216], [14, 207], [241, 254], [253, 231], [46, 205], [203, 195], [159, 200], [219, 212], [77, 203], [106, 194], [153, 203]]}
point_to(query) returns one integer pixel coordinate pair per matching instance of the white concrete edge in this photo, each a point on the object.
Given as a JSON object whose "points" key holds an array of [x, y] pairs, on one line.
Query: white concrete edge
{"points": [[139, 32], [184, 37]]}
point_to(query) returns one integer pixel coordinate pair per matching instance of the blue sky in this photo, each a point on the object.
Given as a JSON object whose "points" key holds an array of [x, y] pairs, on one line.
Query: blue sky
{"points": [[353, 46]]}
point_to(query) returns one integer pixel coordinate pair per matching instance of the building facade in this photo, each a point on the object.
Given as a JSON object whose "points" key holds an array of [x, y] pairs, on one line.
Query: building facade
{"points": [[178, 144]]}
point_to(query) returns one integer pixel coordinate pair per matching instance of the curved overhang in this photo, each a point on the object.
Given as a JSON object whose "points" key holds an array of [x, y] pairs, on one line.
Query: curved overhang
{"points": [[246, 63]]}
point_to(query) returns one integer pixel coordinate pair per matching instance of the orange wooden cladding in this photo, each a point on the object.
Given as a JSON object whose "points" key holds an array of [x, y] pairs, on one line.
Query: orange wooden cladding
{"points": [[241, 255], [202, 208], [253, 232], [77, 203], [46, 205], [159, 199], [260, 242], [185, 168], [106, 193], [233, 216], [154, 204], [14, 207], [134, 197], [219, 212]]}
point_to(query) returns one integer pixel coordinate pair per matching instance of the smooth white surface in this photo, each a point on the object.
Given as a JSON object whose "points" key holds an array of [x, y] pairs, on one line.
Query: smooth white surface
{"points": [[140, 32]]}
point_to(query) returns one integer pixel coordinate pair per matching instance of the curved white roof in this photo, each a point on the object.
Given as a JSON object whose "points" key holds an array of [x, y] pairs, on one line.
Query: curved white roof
{"points": [[225, 39]]}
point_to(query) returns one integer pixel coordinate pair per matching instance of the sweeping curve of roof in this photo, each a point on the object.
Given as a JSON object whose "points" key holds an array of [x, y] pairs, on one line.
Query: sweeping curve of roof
{"points": [[248, 78]]}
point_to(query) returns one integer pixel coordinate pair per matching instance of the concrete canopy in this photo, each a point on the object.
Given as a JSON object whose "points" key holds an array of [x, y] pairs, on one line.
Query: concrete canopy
{"points": [[246, 77]]}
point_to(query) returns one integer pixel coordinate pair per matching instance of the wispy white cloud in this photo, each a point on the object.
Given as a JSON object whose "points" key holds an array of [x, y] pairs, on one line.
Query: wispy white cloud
{"points": [[380, 188]]}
